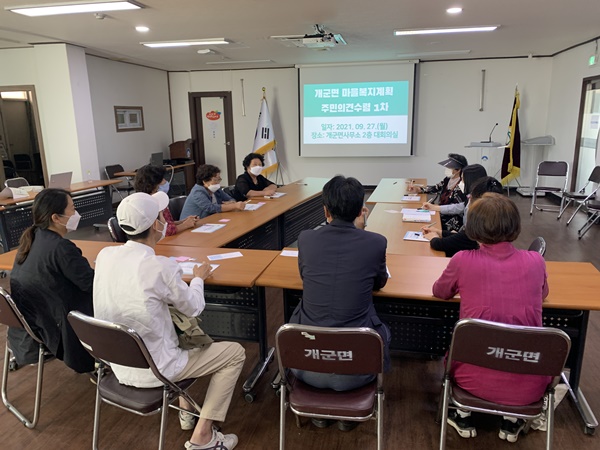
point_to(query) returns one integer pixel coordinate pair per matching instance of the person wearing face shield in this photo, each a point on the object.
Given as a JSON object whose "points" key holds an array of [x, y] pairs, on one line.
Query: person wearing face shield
{"points": [[50, 277], [449, 191], [251, 183], [207, 197]]}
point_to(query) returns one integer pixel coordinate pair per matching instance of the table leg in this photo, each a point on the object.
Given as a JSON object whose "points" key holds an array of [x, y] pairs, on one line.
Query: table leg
{"points": [[265, 353]]}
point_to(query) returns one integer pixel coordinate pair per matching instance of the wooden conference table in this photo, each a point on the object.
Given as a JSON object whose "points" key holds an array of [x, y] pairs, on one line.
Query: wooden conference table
{"points": [[276, 224], [235, 306], [423, 324], [386, 219], [187, 168], [92, 200], [392, 190]]}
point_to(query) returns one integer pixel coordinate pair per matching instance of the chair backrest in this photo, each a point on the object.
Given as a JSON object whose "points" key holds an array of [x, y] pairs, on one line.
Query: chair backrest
{"points": [[16, 182], [116, 232], [110, 342], [11, 316], [22, 161], [176, 205], [112, 169], [538, 245], [595, 175], [553, 169], [509, 348], [329, 350]]}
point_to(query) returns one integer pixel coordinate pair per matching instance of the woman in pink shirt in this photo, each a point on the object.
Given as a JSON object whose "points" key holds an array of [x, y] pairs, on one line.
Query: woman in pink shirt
{"points": [[501, 284]]}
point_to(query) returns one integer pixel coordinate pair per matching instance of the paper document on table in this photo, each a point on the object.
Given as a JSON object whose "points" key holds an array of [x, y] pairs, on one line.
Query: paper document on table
{"points": [[188, 267], [415, 236], [411, 198], [276, 195], [416, 211], [292, 253], [224, 256], [387, 269], [417, 217], [19, 193], [208, 228], [253, 206], [393, 211]]}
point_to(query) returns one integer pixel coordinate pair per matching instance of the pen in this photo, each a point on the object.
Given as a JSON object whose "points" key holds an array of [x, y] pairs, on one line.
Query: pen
{"points": [[430, 225], [247, 201], [395, 182]]}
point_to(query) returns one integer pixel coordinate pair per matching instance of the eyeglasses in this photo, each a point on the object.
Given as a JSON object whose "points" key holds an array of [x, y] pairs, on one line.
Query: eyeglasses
{"points": [[216, 180]]}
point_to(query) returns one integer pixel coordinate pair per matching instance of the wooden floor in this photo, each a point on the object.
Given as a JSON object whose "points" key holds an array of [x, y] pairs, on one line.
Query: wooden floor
{"points": [[412, 391]]}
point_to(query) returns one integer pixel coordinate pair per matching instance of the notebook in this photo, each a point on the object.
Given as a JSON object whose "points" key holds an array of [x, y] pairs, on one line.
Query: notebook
{"points": [[61, 180]]}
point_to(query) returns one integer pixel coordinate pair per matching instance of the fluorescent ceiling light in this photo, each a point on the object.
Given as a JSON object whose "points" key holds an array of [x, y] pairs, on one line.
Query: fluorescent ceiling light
{"points": [[429, 54], [89, 6], [455, 10], [18, 95], [410, 32], [240, 62], [142, 29], [216, 41]]}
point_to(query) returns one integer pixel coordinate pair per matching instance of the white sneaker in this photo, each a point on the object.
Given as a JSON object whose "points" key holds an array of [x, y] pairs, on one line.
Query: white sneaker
{"points": [[187, 420], [219, 442]]}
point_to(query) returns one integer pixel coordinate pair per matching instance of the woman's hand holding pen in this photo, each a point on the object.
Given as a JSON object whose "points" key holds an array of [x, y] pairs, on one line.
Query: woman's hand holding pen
{"points": [[430, 232], [430, 206]]}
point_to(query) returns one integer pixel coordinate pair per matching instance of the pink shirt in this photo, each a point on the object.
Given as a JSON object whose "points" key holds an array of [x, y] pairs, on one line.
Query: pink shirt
{"points": [[171, 226], [501, 284]]}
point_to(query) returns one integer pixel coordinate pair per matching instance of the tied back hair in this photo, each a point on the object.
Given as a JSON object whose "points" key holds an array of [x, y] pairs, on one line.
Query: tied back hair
{"points": [[46, 203]]}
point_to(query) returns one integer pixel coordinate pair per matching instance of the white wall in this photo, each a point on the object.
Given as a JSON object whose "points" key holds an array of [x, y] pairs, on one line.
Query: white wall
{"points": [[568, 71], [447, 114], [119, 84]]}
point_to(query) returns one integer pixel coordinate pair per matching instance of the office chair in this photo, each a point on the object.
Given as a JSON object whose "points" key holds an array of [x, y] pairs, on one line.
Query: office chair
{"points": [[507, 348], [12, 317], [330, 350], [116, 232], [538, 245], [16, 182], [176, 205], [114, 343]]}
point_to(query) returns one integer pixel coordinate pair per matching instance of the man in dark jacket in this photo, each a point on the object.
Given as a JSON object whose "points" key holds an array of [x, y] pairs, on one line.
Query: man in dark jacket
{"points": [[340, 265]]}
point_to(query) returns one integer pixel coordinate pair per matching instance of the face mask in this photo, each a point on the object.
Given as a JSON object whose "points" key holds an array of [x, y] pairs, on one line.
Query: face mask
{"points": [[448, 172], [72, 222], [214, 187], [256, 170], [163, 231], [461, 186], [164, 187]]}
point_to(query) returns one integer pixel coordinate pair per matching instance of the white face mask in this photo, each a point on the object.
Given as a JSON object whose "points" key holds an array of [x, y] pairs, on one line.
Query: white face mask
{"points": [[72, 222], [163, 232], [461, 186], [448, 172], [214, 187], [256, 170]]}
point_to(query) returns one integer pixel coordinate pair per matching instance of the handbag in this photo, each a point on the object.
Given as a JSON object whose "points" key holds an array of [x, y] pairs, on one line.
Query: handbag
{"points": [[188, 330]]}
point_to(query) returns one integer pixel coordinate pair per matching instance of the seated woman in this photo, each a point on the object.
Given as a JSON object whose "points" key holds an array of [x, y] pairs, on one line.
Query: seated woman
{"points": [[501, 284], [451, 242], [251, 183], [151, 179], [449, 192], [50, 277], [206, 197]]}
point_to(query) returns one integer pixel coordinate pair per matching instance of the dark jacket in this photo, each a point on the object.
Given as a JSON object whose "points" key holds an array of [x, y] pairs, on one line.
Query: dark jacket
{"points": [[452, 243], [340, 267], [53, 280], [244, 183]]}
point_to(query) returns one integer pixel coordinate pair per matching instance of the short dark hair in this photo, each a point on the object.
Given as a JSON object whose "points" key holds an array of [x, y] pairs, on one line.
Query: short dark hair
{"points": [[248, 159], [206, 172], [140, 236], [459, 159], [493, 218], [471, 174], [485, 184], [344, 197], [148, 177]]}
